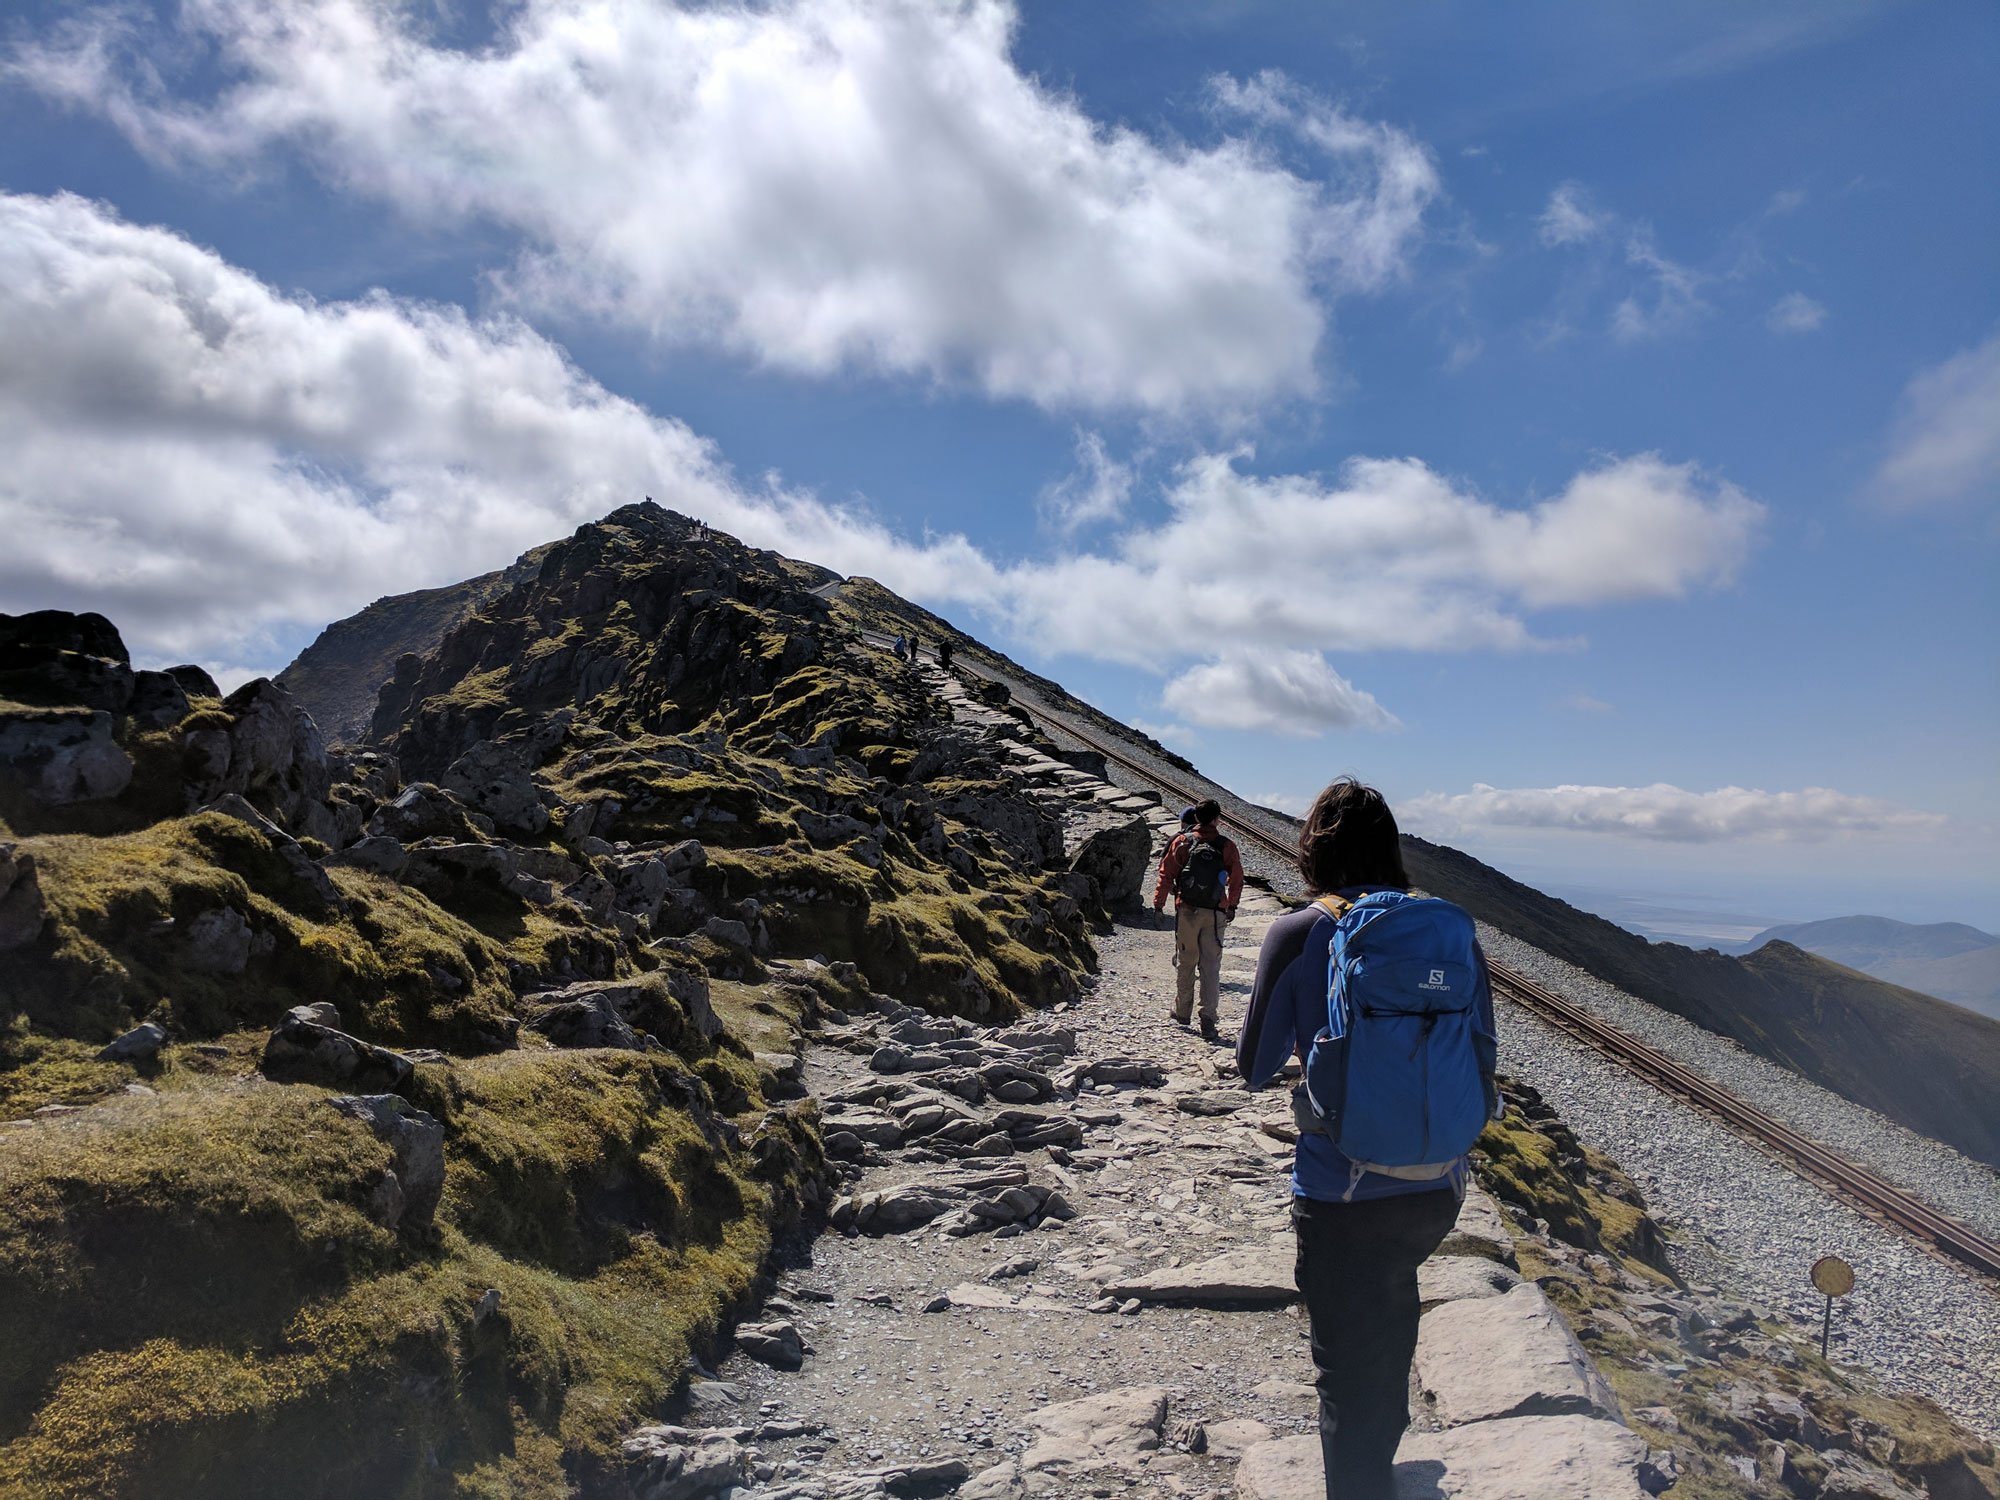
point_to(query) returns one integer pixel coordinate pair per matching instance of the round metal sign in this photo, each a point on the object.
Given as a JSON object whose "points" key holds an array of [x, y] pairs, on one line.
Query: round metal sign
{"points": [[1833, 1276]]}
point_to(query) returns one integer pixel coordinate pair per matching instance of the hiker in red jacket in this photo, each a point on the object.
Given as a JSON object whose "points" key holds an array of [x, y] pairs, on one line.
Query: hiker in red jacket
{"points": [[1203, 871]]}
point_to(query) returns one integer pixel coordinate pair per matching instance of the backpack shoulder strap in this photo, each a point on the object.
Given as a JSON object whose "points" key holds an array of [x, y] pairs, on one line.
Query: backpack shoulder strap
{"points": [[1334, 906]]}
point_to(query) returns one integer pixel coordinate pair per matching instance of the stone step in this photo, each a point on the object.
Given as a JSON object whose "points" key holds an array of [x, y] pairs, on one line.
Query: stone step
{"points": [[1483, 1358]]}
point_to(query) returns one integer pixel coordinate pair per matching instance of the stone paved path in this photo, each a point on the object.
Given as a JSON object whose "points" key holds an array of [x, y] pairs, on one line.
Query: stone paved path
{"points": [[1067, 1265]]}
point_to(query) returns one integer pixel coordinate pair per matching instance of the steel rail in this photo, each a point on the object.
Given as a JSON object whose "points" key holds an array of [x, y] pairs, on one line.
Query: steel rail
{"points": [[1853, 1184]]}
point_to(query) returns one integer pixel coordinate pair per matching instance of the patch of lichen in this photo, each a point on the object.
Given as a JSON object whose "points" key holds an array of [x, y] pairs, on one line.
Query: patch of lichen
{"points": [[193, 1300], [1907, 1434], [117, 950], [907, 929], [36, 1070], [662, 802], [845, 708], [1586, 1198]]}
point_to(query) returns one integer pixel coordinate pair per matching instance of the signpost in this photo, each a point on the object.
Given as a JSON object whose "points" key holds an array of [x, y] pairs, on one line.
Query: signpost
{"points": [[1834, 1277]]}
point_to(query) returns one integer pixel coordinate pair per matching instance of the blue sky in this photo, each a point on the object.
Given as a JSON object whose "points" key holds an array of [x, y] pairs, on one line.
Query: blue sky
{"points": [[1584, 423]]}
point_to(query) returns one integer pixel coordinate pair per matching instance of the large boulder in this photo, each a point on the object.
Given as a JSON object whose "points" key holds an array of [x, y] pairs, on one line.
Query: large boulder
{"points": [[141, 1044], [218, 941], [496, 780], [87, 634], [679, 1463], [421, 810], [63, 755], [409, 1193], [657, 1003], [1484, 1358], [22, 910], [272, 755], [158, 700], [1112, 1430], [302, 1050], [1016, 827], [53, 657], [235, 805], [194, 681], [589, 1020], [1115, 854], [91, 772]]}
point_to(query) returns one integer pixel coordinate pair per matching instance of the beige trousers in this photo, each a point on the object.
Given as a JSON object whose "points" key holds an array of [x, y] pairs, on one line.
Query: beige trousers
{"points": [[1197, 946]]}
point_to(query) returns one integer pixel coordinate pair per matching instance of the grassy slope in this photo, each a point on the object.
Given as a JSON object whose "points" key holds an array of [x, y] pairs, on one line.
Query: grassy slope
{"points": [[193, 1300], [1931, 1066]]}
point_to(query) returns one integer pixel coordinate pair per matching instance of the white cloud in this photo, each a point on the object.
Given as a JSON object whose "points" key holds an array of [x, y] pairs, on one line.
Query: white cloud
{"points": [[1584, 703], [1675, 302], [1795, 313], [1668, 813], [1096, 491], [204, 460], [1946, 441], [207, 462], [1387, 555], [1569, 220], [1293, 804], [818, 185], [1279, 691]]}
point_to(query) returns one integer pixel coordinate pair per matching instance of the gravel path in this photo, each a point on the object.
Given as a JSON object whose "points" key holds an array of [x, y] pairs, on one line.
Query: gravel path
{"points": [[890, 1383]]}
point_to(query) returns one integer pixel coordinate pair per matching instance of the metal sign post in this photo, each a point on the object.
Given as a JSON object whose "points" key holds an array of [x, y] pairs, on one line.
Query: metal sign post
{"points": [[1834, 1277]]}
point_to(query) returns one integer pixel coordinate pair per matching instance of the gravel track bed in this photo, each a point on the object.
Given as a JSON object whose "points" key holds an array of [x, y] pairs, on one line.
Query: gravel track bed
{"points": [[1753, 1227], [1948, 1181]]}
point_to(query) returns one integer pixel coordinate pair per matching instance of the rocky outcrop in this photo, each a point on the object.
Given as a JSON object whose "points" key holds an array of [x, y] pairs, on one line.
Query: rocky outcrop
{"points": [[409, 1192], [22, 910], [1110, 1431], [1115, 857], [306, 1050], [272, 755], [1482, 1358]]}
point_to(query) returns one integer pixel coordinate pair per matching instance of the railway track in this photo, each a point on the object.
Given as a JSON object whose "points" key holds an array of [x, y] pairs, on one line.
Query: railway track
{"points": [[1854, 1185]]}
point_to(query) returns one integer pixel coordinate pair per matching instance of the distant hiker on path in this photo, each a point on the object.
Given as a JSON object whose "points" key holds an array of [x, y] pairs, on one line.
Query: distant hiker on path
{"points": [[1398, 1054], [944, 655], [902, 649], [1203, 871]]}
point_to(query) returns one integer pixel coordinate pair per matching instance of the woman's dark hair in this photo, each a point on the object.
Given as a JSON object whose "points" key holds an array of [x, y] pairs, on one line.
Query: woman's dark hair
{"points": [[1350, 838], [1207, 811]]}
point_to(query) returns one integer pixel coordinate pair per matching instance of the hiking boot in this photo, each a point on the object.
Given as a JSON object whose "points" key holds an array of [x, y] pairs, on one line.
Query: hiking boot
{"points": [[1183, 1020], [1208, 1031]]}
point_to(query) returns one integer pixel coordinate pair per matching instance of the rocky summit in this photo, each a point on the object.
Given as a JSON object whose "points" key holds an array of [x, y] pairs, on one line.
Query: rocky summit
{"points": [[672, 1047], [406, 1114]]}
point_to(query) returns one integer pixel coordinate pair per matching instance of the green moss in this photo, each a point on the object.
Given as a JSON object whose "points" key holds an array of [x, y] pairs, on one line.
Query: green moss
{"points": [[193, 1300], [1524, 1162], [400, 968], [37, 1070]]}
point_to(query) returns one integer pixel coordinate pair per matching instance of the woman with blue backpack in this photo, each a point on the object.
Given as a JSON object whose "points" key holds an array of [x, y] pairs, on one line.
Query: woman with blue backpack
{"points": [[1384, 999]]}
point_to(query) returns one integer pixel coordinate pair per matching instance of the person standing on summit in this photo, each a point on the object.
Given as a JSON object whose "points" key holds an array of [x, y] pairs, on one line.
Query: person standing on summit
{"points": [[1204, 873]]}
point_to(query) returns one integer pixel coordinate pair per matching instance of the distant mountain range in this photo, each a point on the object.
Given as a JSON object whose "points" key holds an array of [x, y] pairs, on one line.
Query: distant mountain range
{"points": [[1947, 959]]}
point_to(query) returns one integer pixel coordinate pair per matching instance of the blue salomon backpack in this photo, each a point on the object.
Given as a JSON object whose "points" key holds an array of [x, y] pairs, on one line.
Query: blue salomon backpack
{"points": [[1393, 1077]]}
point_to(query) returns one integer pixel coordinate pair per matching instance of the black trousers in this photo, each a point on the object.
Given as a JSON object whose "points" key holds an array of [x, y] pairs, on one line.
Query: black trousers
{"points": [[1357, 1270]]}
